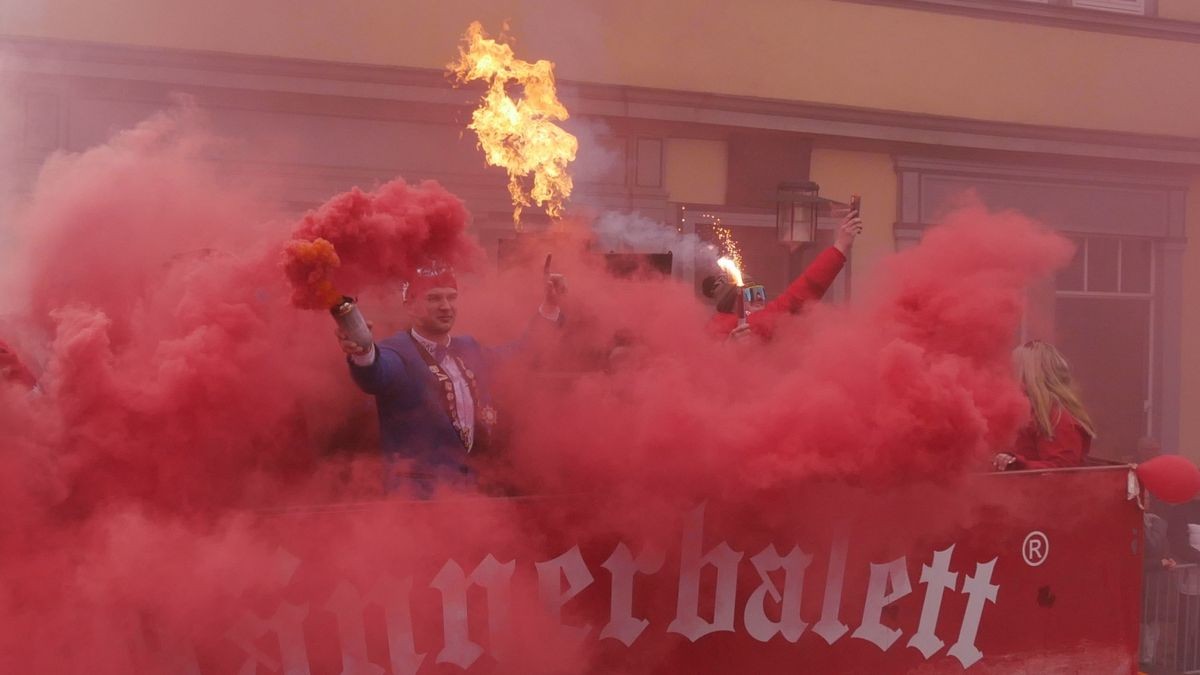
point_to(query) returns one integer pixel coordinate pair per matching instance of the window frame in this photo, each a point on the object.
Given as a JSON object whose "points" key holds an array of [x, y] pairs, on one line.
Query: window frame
{"points": [[1161, 196], [1054, 13]]}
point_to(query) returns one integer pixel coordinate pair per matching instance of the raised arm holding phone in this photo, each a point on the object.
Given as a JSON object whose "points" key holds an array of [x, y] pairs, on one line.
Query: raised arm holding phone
{"points": [[810, 286]]}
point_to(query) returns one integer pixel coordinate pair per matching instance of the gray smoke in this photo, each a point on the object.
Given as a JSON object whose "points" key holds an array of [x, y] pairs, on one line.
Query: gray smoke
{"points": [[635, 233]]}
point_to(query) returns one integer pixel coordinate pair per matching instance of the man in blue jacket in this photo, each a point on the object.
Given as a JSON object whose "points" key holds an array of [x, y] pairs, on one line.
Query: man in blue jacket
{"points": [[433, 391]]}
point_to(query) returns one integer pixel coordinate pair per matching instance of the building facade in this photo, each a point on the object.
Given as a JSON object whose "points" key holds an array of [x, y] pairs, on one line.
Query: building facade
{"points": [[1078, 112]]}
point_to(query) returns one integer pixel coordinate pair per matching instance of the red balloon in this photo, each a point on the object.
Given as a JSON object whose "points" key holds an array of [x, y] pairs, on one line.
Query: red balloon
{"points": [[1171, 478]]}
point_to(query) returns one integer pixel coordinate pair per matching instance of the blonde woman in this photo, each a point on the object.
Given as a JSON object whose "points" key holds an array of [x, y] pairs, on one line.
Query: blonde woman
{"points": [[1061, 431]]}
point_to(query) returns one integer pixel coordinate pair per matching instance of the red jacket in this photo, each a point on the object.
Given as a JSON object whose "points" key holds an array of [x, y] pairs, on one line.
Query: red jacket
{"points": [[809, 286], [1068, 447]]}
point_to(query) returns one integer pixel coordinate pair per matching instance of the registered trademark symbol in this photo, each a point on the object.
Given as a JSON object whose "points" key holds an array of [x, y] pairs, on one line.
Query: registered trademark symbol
{"points": [[1036, 548]]}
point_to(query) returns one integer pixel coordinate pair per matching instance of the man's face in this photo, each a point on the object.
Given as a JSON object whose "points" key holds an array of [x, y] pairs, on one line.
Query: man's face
{"points": [[434, 311]]}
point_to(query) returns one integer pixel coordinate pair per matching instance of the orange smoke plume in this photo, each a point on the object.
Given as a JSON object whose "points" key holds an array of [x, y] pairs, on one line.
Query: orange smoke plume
{"points": [[309, 266]]}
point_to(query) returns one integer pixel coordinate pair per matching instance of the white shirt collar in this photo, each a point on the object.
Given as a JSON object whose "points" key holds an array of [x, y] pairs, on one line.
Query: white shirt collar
{"points": [[426, 342]]}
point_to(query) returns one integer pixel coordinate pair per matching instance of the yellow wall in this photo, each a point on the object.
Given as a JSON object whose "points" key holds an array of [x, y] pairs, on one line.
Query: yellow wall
{"points": [[696, 170], [841, 173], [1180, 10], [1189, 440], [815, 50]]}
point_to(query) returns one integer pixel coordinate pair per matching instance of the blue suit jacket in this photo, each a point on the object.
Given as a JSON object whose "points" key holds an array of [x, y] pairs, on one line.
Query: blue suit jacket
{"points": [[413, 423], [414, 429]]}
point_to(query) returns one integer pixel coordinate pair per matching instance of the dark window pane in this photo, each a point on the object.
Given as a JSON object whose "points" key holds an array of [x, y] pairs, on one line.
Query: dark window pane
{"points": [[1135, 266], [1107, 342], [1102, 264], [1070, 278]]}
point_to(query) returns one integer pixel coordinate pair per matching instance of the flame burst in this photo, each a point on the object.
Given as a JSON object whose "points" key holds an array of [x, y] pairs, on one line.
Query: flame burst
{"points": [[519, 135], [731, 268]]}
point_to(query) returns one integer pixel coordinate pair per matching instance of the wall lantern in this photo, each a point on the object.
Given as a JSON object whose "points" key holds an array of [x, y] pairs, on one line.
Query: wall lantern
{"points": [[797, 208]]}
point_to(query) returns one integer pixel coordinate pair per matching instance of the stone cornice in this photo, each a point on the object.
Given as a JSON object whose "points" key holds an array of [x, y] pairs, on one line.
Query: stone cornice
{"points": [[380, 86]]}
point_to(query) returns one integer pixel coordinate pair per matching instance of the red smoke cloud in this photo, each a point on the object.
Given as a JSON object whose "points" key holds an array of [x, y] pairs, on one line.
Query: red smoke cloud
{"points": [[910, 383], [182, 397], [361, 239]]}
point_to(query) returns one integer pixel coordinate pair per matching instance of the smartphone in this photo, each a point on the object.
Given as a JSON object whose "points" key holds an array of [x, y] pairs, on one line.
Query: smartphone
{"points": [[856, 204]]}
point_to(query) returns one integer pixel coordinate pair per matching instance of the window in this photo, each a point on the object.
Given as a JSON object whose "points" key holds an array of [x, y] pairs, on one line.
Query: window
{"points": [[1115, 310], [1142, 7], [1103, 318], [1124, 6], [1110, 265]]}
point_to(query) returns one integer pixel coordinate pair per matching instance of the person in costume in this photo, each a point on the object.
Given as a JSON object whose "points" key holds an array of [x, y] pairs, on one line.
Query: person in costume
{"points": [[762, 316], [1061, 431], [433, 390]]}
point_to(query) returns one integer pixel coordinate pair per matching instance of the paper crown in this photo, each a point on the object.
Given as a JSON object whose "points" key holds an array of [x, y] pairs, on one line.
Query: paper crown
{"points": [[433, 275]]}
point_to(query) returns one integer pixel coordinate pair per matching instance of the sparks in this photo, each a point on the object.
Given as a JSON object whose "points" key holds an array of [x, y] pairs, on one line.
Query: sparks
{"points": [[731, 268], [519, 135], [728, 244]]}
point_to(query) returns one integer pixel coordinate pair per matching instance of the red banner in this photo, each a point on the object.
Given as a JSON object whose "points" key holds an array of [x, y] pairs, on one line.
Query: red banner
{"points": [[1031, 572]]}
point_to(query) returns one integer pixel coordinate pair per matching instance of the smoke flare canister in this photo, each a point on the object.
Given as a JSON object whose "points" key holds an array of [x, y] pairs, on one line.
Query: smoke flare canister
{"points": [[352, 322]]}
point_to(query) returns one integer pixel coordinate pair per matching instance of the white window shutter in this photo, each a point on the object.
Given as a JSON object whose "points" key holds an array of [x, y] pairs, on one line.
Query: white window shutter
{"points": [[1123, 6]]}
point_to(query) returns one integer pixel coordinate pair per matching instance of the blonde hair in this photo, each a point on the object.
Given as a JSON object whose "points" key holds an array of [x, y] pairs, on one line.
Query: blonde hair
{"points": [[1046, 378]]}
